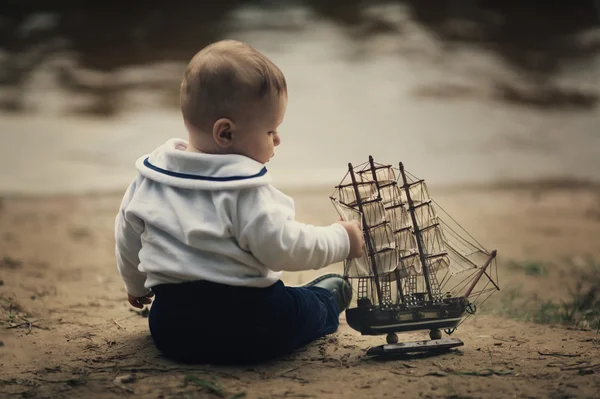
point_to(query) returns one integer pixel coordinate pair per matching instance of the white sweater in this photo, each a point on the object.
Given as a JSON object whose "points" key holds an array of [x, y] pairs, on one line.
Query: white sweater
{"points": [[190, 216]]}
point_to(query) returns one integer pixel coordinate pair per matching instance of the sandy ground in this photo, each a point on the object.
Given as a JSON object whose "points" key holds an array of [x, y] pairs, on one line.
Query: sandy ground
{"points": [[66, 330]]}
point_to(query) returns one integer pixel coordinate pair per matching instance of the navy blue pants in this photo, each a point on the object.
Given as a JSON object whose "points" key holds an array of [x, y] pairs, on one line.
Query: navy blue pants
{"points": [[204, 322]]}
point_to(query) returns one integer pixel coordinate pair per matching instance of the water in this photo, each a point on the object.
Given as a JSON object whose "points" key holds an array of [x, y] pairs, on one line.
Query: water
{"points": [[451, 116]]}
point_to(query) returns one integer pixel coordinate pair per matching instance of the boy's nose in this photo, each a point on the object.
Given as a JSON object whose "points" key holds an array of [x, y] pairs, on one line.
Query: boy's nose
{"points": [[276, 140]]}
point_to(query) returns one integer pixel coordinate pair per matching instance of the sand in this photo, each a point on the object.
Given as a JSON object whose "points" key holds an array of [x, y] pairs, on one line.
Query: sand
{"points": [[67, 330]]}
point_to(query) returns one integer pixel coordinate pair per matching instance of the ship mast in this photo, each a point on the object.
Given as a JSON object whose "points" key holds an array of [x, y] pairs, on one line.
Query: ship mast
{"points": [[417, 231], [396, 271], [366, 231]]}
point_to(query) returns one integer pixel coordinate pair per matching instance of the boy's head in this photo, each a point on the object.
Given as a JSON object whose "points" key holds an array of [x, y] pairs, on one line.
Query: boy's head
{"points": [[233, 98]]}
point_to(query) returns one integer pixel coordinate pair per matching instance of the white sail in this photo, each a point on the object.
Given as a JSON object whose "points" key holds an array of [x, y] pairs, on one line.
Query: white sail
{"points": [[432, 237], [390, 194], [382, 240], [405, 241], [383, 174], [382, 237], [358, 267], [346, 213], [433, 241], [398, 217], [418, 192], [366, 191], [411, 263], [385, 261], [374, 213]]}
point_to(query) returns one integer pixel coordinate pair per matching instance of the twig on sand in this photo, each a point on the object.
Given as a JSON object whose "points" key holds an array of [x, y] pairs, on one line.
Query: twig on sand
{"points": [[559, 354], [113, 366], [295, 377], [408, 373], [446, 371], [288, 370], [497, 338], [127, 317], [561, 363], [589, 366], [117, 323], [28, 323], [479, 373], [141, 368], [71, 381], [18, 325]]}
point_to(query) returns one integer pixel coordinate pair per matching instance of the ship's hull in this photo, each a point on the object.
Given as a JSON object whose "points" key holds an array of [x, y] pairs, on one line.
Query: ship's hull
{"points": [[372, 320]]}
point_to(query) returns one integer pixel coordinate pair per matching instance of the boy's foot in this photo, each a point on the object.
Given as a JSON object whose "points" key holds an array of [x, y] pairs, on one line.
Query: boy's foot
{"points": [[337, 285]]}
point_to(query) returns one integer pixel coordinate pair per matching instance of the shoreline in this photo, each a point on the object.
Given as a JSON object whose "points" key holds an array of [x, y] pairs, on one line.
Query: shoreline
{"points": [[510, 185]]}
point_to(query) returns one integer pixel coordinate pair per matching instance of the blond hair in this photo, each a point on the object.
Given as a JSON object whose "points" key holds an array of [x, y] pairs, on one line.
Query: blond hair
{"points": [[224, 76]]}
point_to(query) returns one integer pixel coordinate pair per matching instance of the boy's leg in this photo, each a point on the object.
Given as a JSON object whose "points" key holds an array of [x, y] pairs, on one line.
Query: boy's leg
{"points": [[337, 285], [318, 305], [208, 322]]}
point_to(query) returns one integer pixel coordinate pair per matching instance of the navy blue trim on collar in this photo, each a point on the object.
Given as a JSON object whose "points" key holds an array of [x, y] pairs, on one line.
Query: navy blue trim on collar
{"points": [[198, 177]]}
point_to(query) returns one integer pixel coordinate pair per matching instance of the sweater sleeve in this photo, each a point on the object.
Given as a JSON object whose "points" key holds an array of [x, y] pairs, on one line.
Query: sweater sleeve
{"points": [[127, 248], [265, 226]]}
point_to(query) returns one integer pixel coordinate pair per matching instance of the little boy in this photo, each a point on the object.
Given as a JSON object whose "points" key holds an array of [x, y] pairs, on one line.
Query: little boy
{"points": [[202, 228]]}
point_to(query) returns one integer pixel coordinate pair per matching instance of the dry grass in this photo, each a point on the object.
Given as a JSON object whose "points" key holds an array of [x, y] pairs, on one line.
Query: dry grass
{"points": [[581, 309]]}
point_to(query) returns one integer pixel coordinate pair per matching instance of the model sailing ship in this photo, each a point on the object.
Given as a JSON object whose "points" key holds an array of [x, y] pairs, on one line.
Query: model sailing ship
{"points": [[419, 271]]}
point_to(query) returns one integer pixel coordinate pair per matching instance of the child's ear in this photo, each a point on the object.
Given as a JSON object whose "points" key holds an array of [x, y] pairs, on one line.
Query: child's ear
{"points": [[223, 132]]}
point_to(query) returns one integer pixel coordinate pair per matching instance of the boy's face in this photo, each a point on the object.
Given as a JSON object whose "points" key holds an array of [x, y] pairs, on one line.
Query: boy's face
{"points": [[256, 133]]}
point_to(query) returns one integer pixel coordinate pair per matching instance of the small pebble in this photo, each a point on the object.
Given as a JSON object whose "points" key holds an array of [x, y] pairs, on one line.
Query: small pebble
{"points": [[1, 282], [1, 344]]}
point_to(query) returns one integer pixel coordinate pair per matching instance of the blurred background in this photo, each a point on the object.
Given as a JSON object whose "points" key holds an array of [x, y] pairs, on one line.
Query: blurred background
{"points": [[466, 91], [502, 96]]}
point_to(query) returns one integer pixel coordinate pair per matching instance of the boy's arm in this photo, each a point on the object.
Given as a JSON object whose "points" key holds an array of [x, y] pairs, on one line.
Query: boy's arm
{"points": [[266, 228], [127, 248]]}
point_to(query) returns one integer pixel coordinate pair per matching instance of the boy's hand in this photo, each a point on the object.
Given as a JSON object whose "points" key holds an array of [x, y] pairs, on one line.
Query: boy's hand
{"points": [[355, 234], [139, 302]]}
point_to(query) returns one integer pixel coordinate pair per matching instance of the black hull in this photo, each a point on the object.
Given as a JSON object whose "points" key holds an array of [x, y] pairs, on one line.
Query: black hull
{"points": [[371, 320]]}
